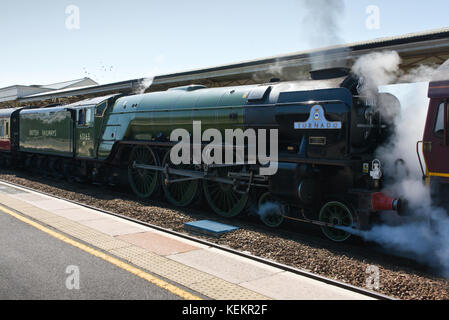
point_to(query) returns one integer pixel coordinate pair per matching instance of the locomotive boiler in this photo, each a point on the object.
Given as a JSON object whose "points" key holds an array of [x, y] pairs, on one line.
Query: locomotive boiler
{"points": [[327, 136]]}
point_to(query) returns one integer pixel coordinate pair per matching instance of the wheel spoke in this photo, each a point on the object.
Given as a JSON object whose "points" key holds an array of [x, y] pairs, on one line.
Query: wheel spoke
{"points": [[338, 214], [183, 193], [143, 182], [222, 198]]}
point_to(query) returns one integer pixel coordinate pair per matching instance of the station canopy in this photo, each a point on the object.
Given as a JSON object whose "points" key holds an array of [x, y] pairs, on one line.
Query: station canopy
{"points": [[424, 48]]}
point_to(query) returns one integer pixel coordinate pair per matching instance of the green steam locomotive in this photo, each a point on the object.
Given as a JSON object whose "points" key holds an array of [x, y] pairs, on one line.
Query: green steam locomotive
{"points": [[326, 136]]}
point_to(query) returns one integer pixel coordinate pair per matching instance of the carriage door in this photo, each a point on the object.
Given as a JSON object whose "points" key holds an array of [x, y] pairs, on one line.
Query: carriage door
{"points": [[436, 139], [85, 132], [4, 135]]}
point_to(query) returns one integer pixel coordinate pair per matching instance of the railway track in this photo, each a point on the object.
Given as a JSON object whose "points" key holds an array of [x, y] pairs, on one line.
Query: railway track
{"points": [[302, 249], [327, 281]]}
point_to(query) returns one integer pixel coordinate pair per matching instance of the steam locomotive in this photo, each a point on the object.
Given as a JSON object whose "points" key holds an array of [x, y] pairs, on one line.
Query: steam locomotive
{"points": [[327, 135]]}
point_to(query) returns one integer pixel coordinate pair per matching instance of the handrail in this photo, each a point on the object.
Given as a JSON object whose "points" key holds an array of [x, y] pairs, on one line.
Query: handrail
{"points": [[419, 158]]}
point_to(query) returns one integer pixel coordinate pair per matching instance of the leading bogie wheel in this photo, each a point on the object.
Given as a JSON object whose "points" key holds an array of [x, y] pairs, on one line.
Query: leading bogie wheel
{"points": [[143, 182], [338, 214]]}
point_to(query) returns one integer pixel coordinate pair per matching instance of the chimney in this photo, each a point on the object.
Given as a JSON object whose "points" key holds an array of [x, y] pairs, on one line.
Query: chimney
{"points": [[331, 73]]}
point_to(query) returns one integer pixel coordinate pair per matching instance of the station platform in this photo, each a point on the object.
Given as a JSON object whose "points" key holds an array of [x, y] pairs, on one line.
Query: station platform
{"points": [[184, 268]]}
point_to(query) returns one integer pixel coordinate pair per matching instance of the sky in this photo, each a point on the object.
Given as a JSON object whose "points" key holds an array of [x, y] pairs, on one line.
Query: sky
{"points": [[44, 42]]}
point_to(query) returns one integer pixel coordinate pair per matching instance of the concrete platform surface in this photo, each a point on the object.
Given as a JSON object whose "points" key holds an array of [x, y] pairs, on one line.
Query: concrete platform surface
{"points": [[37, 266], [208, 271]]}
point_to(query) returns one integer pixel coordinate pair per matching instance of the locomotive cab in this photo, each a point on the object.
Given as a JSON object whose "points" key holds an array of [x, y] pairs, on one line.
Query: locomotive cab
{"points": [[435, 145], [89, 119]]}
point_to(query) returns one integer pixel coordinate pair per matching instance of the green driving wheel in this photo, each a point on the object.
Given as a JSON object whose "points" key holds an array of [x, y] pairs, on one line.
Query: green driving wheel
{"points": [[143, 182], [182, 193], [222, 197], [338, 214], [270, 211]]}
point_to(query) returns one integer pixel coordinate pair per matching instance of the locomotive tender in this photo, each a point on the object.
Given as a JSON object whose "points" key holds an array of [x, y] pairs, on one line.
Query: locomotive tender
{"points": [[327, 174]]}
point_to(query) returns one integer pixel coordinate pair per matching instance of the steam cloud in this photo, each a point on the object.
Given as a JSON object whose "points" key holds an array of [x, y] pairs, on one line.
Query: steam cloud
{"points": [[322, 28], [322, 21], [267, 208], [425, 236], [427, 73], [144, 85], [376, 69]]}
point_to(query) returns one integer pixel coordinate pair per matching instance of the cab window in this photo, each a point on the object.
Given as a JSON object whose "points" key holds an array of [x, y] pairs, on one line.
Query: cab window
{"points": [[85, 117], [100, 109], [88, 116], [440, 121], [81, 117]]}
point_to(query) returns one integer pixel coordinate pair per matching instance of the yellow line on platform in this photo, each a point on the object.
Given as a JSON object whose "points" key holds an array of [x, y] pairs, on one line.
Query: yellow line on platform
{"points": [[127, 267]]}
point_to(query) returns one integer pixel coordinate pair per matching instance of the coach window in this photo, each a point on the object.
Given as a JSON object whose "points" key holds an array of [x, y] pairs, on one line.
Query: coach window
{"points": [[7, 129], [2, 129], [439, 124]]}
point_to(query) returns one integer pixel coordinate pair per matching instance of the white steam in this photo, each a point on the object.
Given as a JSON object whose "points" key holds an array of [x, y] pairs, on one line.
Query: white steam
{"points": [[425, 237], [144, 85], [321, 26], [427, 73], [423, 241], [322, 21], [409, 129], [376, 69], [275, 70], [268, 208]]}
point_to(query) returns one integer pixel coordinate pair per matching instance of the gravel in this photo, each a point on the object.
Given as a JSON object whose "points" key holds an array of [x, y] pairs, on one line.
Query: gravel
{"points": [[308, 250]]}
